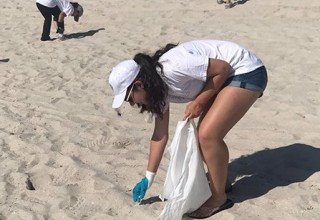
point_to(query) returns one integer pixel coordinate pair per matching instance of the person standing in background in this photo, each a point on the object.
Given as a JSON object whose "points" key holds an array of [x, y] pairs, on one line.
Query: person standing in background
{"points": [[59, 9]]}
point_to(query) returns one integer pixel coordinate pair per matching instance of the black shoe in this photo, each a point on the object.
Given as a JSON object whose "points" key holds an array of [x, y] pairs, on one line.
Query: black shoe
{"points": [[45, 38], [228, 204]]}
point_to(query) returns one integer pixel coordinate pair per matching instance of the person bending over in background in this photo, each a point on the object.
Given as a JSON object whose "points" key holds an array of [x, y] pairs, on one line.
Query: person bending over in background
{"points": [[59, 9]]}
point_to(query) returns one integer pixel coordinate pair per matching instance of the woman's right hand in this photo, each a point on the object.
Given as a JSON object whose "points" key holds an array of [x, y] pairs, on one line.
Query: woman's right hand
{"points": [[193, 110]]}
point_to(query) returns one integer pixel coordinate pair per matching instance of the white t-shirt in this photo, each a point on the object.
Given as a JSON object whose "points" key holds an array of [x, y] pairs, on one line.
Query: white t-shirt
{"points": [[63, 5], [185, 66]]}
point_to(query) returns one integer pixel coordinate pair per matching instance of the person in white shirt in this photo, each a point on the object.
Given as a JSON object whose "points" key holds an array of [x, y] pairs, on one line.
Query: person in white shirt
{"points": [[219, 80], [59, 9]]}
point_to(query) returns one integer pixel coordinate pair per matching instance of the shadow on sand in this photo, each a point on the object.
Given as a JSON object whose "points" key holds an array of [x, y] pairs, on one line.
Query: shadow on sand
{"points": [[4, 60], [265, 170], [260, 172], [83, 34]]}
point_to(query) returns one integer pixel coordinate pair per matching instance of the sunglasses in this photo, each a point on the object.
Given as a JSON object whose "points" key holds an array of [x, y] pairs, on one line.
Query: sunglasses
{"points": [[127, 99]]}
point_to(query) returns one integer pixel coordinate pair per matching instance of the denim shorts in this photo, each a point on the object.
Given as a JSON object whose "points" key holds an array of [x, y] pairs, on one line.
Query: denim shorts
{"points": [[255, 80]]}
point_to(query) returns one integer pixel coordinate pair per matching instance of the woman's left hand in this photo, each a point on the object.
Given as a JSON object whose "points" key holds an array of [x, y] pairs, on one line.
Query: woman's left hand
{"points": [[193, 110]]}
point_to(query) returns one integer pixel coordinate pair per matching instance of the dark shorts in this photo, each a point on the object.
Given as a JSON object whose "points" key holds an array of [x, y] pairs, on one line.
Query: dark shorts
{"points": [[255, 80]]}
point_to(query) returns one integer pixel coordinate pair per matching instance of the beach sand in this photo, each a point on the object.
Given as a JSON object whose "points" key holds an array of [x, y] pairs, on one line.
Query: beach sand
{"points": [[65, 154]]}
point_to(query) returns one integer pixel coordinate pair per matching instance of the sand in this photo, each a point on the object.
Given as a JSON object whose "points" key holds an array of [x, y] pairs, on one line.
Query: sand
{"points": [[65, 154]]}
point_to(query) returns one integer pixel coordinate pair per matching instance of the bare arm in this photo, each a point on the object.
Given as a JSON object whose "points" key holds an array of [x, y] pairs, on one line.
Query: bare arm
{"points": [[217, 73], [157, 145], [60, 24], [62, 15], [158, 142]]}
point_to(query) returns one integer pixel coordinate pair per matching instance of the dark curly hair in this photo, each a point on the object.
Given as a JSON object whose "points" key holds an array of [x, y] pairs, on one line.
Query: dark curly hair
{"points": [[155, 87]]}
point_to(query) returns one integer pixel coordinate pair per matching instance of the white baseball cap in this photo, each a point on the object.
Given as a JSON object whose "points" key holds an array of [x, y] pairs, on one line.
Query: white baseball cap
{"points": [[121, 77]]}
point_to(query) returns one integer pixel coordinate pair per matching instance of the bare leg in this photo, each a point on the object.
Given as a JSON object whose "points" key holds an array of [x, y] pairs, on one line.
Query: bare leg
{"points": [[229, 107]]}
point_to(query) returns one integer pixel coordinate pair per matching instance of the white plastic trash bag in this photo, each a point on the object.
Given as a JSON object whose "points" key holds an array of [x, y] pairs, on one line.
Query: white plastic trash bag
{"points": [[186, 186]]}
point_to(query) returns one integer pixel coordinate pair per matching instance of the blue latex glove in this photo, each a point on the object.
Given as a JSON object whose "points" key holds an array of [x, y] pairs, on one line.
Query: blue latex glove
{"points": [[139, 190]]}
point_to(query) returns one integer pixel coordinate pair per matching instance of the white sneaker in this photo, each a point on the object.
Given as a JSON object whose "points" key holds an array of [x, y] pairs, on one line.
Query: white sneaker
{"points": [[62, 37]]}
